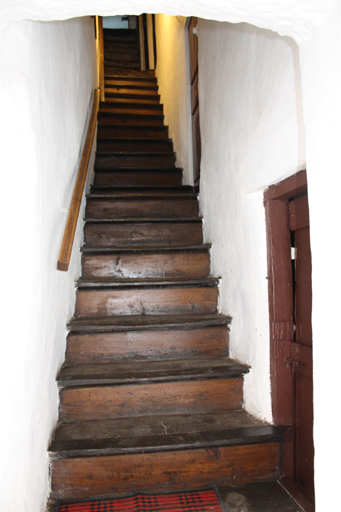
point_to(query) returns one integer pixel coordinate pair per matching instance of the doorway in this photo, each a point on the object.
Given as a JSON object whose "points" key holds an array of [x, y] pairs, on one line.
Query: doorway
{"points": [[290, 301]]}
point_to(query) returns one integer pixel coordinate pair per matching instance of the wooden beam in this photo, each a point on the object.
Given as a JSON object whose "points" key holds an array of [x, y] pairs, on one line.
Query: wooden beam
{"points": [[71, 223]]}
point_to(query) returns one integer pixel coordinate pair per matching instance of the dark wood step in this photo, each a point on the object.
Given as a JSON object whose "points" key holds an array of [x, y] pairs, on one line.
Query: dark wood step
{"points": [[116, 98], [137, 178], [114, 208], [140, 191], [132, 76], [160, 433], [132, 108], [135, 119], [150, 265], [161, 234], [157, 160], [111, 298], [133, 132], [131, 400], [136, 83], [147, 345], [134, 145], [149, 372], [87, 477], [132, 91]]}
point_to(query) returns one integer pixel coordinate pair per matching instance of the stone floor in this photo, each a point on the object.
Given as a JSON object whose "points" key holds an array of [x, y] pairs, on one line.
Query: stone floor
{"points": [[258, 497]]}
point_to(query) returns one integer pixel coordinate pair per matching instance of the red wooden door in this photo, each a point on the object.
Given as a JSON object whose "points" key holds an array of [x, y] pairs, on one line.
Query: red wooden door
{"points": [[194, 73], [301, 347]]}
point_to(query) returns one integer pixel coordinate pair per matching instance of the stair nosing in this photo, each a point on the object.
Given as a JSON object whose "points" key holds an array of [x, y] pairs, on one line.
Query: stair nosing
{"points": [[128, 250], [142, 283]]}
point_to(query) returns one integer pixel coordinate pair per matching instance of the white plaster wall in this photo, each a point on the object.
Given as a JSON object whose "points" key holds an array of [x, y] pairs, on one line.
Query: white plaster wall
{"points": [[47, 75], [252, 136], [171, 75]]}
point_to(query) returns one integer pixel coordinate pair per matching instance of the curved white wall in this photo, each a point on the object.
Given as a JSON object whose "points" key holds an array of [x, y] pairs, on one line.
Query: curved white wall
{"points": [[48, 73]]}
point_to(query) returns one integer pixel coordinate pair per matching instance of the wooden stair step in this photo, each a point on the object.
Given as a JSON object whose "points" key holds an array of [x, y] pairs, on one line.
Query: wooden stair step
{"points": [[161, 206], [132, 90], [149, 372], [127, 119], [146, 345], [160, 433], [132, 76], [190, 264], [119, 97], [132, 108], [182, 395], [140, 191], [153, 297], [137, 178], [124, 82], [175, 233], [109, 145], [88, 477], [146, 323], [157, 160], [133, 132], [125, 283]]}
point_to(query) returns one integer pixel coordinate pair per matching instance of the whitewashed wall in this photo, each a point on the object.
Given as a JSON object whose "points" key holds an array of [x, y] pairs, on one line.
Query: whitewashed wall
{"points": [[171, 75], [252, 136], [47, 75]]}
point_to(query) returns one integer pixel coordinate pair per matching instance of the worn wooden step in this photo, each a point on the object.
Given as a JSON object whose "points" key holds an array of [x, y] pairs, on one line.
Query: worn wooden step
{"points": [[152, 297], [87, 477], [130, 323], [137, 83], [133, 132], [128, 119], [145, 207], [116, 98], [151, 233], [132, 76], [146, 345], [132, 91], [134, 145], [174, 395], [160, 433], [146, 265], [140, 190], [137, 178], [132, 108], [157, 160]]}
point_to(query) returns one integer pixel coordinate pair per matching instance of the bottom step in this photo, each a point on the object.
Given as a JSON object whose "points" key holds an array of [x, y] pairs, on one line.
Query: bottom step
{"points": [[121, 474]]}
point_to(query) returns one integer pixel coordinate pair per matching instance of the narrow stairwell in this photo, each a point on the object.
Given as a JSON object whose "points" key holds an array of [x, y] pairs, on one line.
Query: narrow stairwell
{"points": [[149, 398]]}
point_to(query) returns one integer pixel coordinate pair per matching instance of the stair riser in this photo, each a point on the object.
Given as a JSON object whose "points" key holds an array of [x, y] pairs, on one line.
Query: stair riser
{"points": [[112, 99], [150, 161], [127, 401], [159, 301], [147, 146], [138, 179], [144, 235], [167, 208], [125, 82], [104, 476], [146, 265], [152, 110], [141, 191], [146, 345], [132, 133], [112, 120], [131, 91]]}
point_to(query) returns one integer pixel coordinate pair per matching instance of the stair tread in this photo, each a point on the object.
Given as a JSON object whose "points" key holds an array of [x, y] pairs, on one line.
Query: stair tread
{"points": [[132, 139], [120, 170], [148, 372], [144, 250], [147, 220], [141, 191], [144, 197], [146, 322], [146, 282], [160, 432]]}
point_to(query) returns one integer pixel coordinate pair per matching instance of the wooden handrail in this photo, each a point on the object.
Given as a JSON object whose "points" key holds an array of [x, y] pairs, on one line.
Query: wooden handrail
{"points": [[71, 223], [101, 57]]}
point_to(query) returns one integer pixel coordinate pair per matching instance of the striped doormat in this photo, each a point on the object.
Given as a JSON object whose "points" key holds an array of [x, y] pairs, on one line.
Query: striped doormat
{"points": [[200, 500]]}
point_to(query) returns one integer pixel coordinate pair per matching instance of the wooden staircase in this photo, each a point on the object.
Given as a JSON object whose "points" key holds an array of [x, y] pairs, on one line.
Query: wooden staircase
{"points": [[149, 398]]}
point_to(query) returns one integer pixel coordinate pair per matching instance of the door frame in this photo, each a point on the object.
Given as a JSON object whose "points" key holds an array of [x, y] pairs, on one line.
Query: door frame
{"points": [[281, 318]]}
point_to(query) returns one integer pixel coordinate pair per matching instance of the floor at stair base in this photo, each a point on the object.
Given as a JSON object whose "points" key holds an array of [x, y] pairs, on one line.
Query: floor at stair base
{"points": [[86, 477]]}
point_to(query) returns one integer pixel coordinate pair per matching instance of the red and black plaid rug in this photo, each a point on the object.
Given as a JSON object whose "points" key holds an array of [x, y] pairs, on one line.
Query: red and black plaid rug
{"points": [[201, 500]]}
